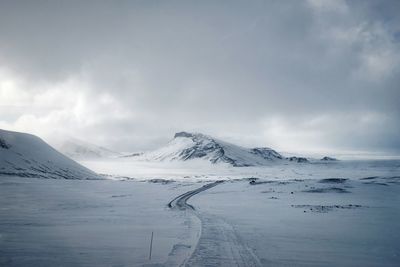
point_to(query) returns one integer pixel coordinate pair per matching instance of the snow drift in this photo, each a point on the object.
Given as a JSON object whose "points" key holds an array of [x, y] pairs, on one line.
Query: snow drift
{"points": [[27, 155]]}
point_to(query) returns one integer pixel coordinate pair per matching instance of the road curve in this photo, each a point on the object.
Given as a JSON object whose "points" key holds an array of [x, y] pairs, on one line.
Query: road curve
{"points": [[180, 201]]}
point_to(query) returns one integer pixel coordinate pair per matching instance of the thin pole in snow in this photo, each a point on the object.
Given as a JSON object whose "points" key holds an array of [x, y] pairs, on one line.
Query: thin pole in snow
{"points": [[151, 245]]}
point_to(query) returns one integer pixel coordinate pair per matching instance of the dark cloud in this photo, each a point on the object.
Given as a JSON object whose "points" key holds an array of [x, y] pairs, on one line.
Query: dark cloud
{"points": [[296, 75]]}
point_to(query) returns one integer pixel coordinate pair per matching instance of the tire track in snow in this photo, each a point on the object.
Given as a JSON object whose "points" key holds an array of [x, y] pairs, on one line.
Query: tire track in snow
{"points": [[218, 245], [181, 200]]}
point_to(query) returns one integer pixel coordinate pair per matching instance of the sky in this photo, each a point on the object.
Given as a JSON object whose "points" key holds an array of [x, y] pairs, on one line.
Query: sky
{"points": [[297, 76]]}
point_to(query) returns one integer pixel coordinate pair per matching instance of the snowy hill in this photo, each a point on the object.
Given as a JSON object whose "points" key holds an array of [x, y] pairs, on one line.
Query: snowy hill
{"points": [[80, 150], [26, 155], [187, 146], [328, 159]]}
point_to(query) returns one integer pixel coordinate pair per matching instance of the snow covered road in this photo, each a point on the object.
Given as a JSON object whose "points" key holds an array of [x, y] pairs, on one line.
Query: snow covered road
{"points": [[218, 244]]}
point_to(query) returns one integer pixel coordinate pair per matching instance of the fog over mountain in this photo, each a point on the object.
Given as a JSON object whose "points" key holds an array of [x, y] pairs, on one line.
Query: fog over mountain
{"points": [[81, 150], [293, 75]]}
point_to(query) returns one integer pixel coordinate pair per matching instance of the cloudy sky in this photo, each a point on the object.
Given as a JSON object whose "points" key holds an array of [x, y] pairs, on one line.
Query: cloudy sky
{"points": [[293, 75]]}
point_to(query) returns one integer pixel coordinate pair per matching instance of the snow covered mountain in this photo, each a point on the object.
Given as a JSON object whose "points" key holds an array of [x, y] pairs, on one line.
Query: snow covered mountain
{"points": [[81, 150], [328, 159], [186, 146], [26, 155]]}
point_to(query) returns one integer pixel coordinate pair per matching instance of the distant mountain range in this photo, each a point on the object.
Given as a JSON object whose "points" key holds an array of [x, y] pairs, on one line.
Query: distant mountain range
{"points": [[26, 155], [185, 146], [188, 146], [81, 150]]}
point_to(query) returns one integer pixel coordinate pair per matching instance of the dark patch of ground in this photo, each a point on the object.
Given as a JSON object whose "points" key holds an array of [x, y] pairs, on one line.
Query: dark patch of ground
{"points": [[370, 178], [325, 208], [327, 190], [160, 181], [375, 183], [333, 180], [256, 182]]}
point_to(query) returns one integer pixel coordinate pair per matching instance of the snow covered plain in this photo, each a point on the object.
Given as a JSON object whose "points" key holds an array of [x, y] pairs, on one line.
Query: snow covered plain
{"points": [[48, 222], [302, 223], [292, 215], [200, 170]]}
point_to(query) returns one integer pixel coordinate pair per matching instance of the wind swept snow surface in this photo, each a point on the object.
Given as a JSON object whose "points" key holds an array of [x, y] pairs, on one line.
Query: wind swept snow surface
{"points": [[284, 224], [26, 155], [298, 217], [91, 223]]}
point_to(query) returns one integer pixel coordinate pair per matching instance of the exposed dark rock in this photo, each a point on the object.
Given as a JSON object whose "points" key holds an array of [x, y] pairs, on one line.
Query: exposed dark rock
{"points": [[3, 144], [183, 134], [327, 190], [298, 159], [326, 208], [266, 153], [333, 180], [328, 159]]}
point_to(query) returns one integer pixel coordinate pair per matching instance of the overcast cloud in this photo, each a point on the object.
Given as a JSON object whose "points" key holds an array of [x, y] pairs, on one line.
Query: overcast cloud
{"points": [[292, 75]]}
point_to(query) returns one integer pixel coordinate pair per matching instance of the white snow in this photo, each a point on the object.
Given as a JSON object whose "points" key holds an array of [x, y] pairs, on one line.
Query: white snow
{"points": [[48, 222], [27, 155], [170, 151], [305, 222], [200, 170], [324, 222]]}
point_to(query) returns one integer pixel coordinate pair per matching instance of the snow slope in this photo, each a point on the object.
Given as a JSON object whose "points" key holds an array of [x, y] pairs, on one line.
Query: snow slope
{"points": [[27, 155], [78, 149], [187, 146]]}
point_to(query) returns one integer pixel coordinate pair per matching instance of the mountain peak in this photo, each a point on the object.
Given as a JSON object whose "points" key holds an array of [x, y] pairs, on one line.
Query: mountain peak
{"points": [[188, 135], [183, 134], [188, 146]]}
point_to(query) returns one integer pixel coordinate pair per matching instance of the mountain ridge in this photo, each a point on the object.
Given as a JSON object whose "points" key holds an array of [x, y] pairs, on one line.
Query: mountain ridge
{"points": [[188, 146]]}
